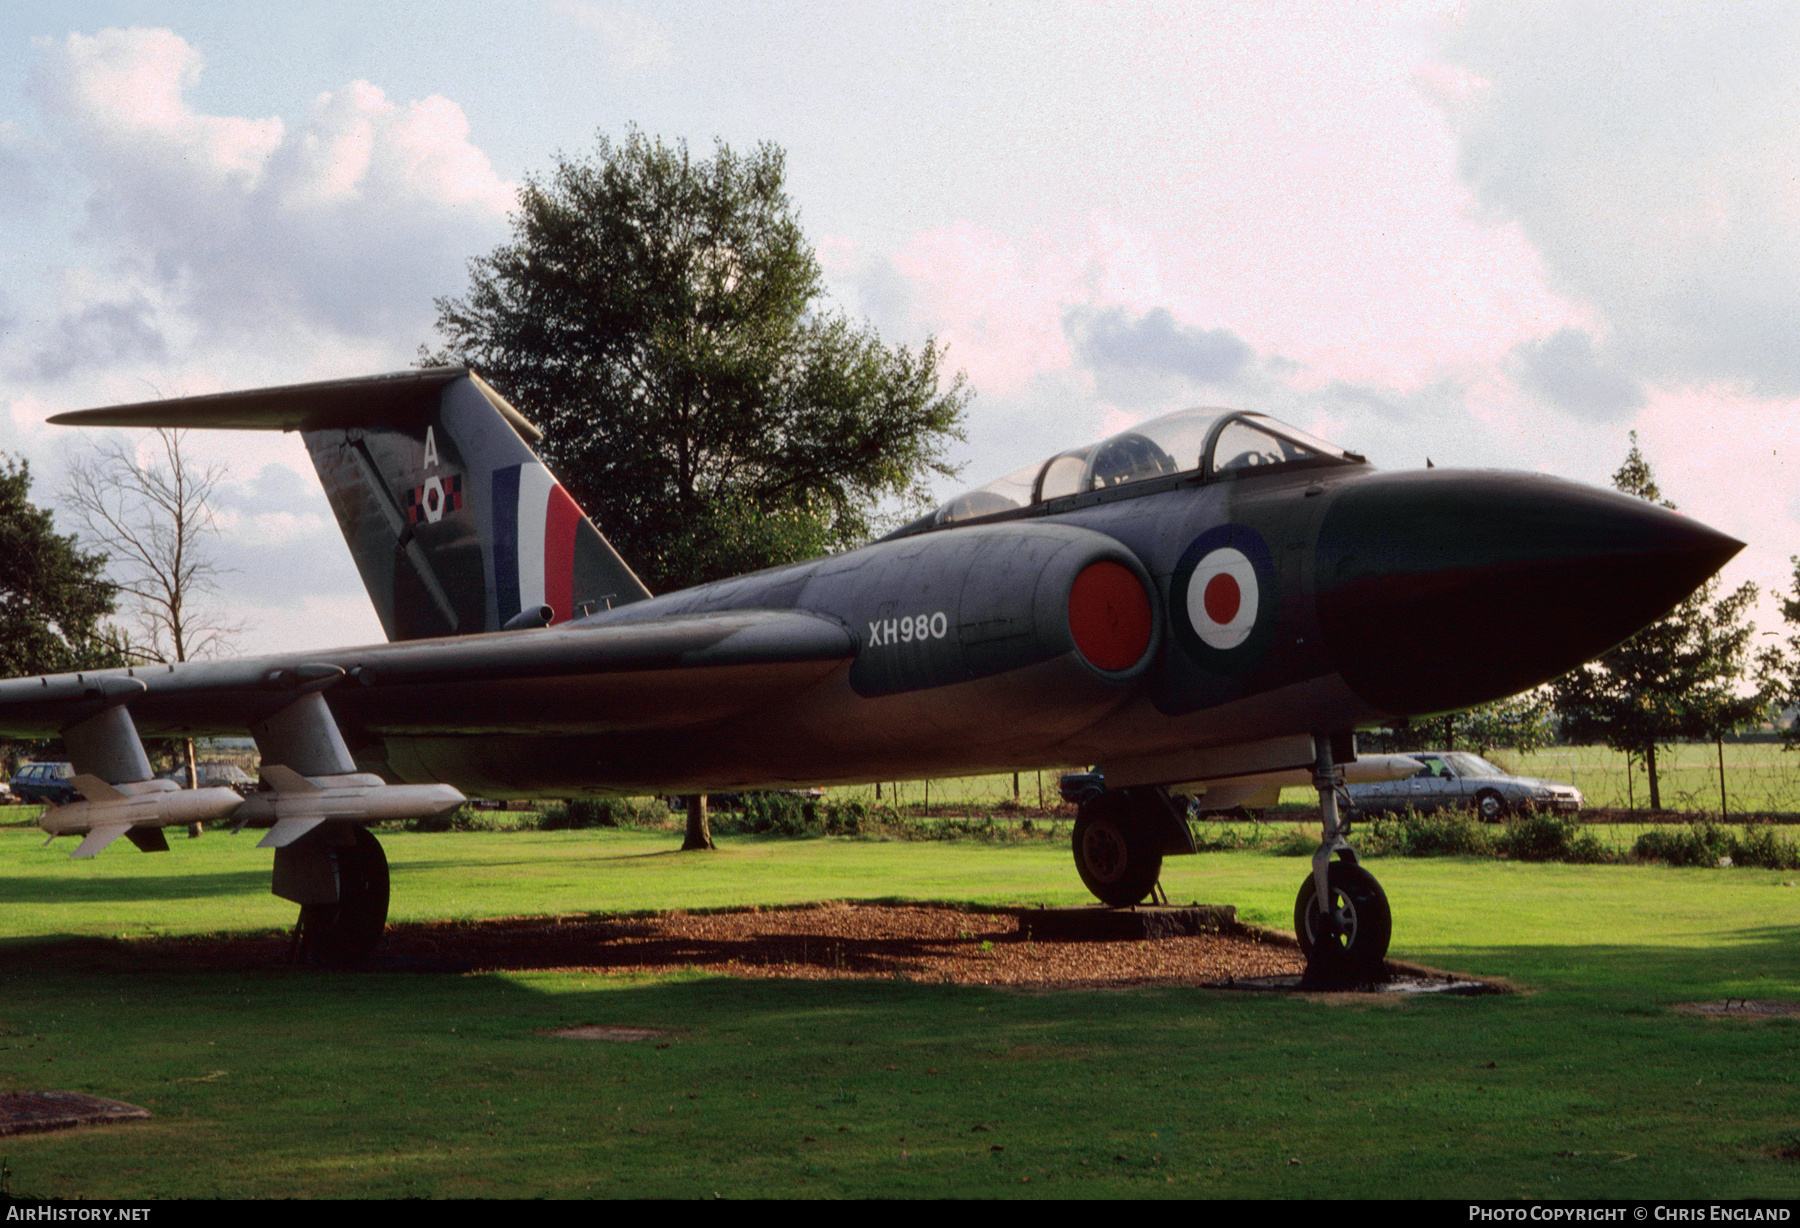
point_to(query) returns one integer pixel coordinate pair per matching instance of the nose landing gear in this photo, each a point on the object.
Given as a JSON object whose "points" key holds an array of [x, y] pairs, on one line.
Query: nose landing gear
{"points": [[1352, 933], [1341, 916]]}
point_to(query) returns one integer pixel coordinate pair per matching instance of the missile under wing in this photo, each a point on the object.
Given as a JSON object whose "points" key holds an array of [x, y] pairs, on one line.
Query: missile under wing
{"points": [[1198, 605]]}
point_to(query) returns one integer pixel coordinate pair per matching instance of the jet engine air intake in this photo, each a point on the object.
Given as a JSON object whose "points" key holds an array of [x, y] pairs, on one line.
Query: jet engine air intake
{"points": [[1110, 616]]}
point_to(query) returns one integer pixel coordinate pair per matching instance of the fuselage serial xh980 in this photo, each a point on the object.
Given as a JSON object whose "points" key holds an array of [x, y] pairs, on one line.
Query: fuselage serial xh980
{"points": [[1206, 604]]}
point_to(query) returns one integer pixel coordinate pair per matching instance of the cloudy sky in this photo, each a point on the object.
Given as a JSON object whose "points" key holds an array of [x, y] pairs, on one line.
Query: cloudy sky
{"points": [[1494, 234]]}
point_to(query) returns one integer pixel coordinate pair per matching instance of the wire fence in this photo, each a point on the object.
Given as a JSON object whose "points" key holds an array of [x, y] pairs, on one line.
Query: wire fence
{"points": [[1032, 790], [1759, 777]]}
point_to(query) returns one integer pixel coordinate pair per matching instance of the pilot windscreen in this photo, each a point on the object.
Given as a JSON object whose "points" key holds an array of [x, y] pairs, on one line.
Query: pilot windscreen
{"points": [[1242, 446]]}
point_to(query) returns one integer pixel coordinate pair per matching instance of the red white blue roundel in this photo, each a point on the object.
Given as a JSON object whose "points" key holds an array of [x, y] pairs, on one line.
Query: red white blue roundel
{"points": [[1223, 597]]}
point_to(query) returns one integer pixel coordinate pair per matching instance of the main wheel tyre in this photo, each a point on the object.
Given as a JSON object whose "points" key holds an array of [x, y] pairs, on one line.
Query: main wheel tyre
{"points": [[344, 933], [1490, 805], [1356, 934], [1117, 858]]}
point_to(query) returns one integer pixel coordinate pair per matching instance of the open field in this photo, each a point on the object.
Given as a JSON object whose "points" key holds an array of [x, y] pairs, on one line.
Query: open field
{"points": [[292, 1083]]}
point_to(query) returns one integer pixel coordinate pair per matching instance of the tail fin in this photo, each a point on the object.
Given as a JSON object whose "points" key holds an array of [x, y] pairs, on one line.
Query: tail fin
{"points": [[455, 524]]}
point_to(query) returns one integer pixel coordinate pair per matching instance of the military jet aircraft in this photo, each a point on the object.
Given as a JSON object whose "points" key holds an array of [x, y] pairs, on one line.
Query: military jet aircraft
{"points": [[1205, 603]]}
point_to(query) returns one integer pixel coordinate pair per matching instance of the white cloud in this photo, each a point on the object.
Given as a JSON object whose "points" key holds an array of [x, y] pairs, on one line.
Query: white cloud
{"points": [[118, 330], [1566, 370], [1155, 347], [1648, 152], [634, 42], [350, 221]]}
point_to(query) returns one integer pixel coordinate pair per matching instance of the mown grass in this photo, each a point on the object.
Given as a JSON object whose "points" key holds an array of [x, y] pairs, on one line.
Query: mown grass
{"points": [[285, 1083]]}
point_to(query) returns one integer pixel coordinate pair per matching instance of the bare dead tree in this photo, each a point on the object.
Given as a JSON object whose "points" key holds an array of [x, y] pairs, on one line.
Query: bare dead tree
{"points": [[150, 510]]}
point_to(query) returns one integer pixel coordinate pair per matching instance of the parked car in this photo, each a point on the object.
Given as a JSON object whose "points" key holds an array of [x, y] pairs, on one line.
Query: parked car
{"points": [[1453, 778], [216, 775], [45, 782]]}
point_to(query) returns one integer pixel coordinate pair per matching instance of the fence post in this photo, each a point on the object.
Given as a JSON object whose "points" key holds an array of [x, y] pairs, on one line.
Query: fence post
{"points": [[1722, 810]]}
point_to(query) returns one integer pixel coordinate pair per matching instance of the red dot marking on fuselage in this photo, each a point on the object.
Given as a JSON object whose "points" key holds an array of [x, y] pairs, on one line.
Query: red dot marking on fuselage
{"points": [[1222, 598], [1109, 615]]}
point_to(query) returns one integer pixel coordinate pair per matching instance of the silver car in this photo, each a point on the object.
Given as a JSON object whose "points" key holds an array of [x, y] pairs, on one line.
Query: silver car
{"points": [[1452, 779]]}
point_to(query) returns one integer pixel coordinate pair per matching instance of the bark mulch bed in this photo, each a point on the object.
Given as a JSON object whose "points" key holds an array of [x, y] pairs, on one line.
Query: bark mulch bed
{"points": [[34, 1112], [815, 942]]}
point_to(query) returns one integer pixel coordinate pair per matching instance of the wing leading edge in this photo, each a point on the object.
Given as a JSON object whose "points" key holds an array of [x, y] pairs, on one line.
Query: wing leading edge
{"points": [[583, 678]]}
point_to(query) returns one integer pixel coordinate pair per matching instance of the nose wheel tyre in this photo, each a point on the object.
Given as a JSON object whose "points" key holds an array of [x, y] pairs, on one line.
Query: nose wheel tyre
{"points": [[1353, 937], [1118, 859]]}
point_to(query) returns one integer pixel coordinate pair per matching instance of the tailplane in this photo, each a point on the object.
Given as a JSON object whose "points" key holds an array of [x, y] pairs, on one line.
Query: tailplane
{"points": [[454, 522]]}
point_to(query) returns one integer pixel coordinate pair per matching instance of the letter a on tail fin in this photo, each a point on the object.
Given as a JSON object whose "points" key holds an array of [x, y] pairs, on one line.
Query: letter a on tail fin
{"points": [[455, 524]]}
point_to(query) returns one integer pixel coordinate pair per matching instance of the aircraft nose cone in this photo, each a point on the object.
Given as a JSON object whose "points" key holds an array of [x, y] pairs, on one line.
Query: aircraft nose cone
{"points": [[1438, 590]]}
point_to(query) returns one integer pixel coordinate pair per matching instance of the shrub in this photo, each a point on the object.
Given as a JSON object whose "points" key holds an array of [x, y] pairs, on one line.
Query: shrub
{"points": [[1706, 843], [1445, 833], [1220, 838], [1762, 848], [474, 817], [1297, 841], [1698, 844], [580, 812], [1550, 837], [463, 818]]}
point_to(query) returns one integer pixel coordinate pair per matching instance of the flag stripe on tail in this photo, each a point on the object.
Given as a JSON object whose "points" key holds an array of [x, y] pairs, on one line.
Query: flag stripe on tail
{"points": [[535, 521], [560, 519], [534, 499], [506, 542]]}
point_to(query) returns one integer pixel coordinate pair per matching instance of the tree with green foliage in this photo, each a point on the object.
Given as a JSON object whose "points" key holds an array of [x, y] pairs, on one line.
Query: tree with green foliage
{"points": [[660, 318], [52, 596], [1523, 723], [1678, 678], [1778, 667]]}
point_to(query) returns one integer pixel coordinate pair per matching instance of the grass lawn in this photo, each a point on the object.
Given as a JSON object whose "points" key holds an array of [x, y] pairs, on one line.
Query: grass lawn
{"points": [[286, 1083]]}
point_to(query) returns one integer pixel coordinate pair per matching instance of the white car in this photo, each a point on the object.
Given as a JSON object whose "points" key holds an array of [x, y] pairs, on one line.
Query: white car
{"points": [[1453, 779]]}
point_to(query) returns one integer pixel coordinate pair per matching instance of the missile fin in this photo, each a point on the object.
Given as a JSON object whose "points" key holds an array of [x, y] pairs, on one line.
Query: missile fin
{"points": [[286, 831], [286, 779], [99, 838], [148, 839], [95, 789]]}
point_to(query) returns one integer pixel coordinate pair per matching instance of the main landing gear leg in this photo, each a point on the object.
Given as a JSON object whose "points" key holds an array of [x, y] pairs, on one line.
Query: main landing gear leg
{"points": [[1121, 836], [1345, 938], [338, 874]]}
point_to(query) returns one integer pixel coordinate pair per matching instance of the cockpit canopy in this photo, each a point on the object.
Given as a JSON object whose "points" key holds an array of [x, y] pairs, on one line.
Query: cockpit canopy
{"points": [[1205, 441]]}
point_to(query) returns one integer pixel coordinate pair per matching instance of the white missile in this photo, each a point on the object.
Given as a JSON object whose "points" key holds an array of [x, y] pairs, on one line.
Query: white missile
{"points": [[109, 811], [295, 804]]}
